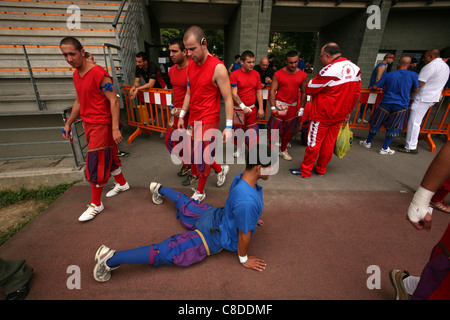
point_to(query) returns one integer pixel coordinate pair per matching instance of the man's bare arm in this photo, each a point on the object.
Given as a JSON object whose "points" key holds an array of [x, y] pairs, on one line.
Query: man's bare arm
{"points": [[251, 262]]}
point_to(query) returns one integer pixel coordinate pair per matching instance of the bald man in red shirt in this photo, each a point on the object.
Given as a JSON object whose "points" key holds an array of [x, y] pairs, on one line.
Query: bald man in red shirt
{"points": [[207, 80]]}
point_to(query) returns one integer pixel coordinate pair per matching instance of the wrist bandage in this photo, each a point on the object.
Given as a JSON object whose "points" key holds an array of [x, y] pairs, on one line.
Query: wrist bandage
{"points": [[229, 124], [242, 106], [243, 259], [182, 114], [420, 205]]}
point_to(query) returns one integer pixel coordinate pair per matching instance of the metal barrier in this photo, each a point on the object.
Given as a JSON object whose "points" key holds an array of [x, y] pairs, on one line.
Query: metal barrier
{"points": [[436, 120], [151, 113], [266, 93], [77, 139]]}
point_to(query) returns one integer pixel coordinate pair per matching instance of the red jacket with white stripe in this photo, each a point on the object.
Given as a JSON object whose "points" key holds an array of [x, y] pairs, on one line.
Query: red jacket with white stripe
{"points": [[334, 91]]}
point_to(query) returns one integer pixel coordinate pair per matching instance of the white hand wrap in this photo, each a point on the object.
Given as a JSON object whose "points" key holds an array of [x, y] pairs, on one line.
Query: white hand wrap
{"points": [[420, 205], [242, 106], [182, 114], [243, 259]]}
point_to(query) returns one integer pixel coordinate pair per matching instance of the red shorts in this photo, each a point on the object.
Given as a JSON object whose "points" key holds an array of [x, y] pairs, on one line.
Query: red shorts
{"points": [[243, 121], [203, 153], [101, 157]]}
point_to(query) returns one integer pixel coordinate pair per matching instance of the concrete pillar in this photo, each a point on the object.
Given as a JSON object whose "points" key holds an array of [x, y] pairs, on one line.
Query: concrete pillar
{"points": [[371, 43], [357, 42], [153, 38], [248, 29]]}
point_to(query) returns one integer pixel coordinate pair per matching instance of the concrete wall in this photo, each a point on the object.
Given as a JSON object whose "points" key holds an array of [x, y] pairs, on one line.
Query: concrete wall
{"points": [[416, 30], [358, 43], [345, 34], [232, 38], [248, 29]]}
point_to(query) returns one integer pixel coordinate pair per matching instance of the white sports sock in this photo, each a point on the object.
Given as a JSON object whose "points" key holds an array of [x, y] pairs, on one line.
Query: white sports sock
{"points": [[410, 283]]}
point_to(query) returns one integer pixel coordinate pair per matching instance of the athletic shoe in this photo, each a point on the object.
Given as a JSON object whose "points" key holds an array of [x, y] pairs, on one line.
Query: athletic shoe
{"points": [[286, 156], [91, 212], [185, 169], [397, 277], [198, 196], [297, 172], [222, 175], [364, 121], [117, 189], [237, 153], [441, 205], [386, 151], [123, 154], [365, 144], [102, 272], [404, 150], [156, 196], [191, 179]]}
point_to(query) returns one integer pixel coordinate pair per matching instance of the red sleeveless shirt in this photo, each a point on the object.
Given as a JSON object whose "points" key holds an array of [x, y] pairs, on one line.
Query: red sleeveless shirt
{"points": [[204, 104]]}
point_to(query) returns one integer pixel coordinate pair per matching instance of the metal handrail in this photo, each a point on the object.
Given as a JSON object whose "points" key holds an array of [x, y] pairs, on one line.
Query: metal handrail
{"points": [[35, 90], [126, 35]]}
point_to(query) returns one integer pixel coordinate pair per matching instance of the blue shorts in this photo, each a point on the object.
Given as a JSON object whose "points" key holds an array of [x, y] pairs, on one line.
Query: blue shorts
{"points": [[202, 238]]}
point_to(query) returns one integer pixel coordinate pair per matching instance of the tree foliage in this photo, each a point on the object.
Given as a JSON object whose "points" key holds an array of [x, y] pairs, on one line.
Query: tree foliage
{"points": [[215, 38], [282, 42]]}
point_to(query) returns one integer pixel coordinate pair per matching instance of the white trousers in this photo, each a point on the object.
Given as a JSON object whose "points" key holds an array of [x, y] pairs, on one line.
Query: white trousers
{"points": [[417, 111]]}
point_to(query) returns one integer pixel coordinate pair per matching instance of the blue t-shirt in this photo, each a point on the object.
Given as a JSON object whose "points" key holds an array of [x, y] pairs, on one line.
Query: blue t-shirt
{"points": [[398, 85], [236, 66], [373, 77], [243, 209], [301, 64]]}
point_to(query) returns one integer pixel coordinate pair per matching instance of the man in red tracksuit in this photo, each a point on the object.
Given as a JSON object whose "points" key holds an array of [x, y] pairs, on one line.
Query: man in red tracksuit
{"points": [[334, 92]]}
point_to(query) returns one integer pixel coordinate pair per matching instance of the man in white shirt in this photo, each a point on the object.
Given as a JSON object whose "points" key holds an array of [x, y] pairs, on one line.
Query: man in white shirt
{"points": [[432, 79]]}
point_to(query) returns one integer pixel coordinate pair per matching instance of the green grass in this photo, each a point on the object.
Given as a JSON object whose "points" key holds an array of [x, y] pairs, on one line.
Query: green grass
{"points": [[44, 194]]}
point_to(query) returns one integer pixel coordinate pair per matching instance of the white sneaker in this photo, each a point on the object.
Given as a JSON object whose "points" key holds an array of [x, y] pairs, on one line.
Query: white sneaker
{"points": [[102, 272], [91, 212], [386, 151], [365, 144], [117, 188], [221, 176], [237, 153], [286, 155], [156, 197], [198, 196]]}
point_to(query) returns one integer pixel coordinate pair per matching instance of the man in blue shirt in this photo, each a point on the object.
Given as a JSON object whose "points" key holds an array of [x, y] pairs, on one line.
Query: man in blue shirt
{"points": [[378, 72], [393, 110], [210, 229]]}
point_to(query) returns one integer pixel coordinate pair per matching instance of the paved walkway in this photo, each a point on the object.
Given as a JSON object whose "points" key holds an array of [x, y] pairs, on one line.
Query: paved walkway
{"points": [[319, 239]]}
